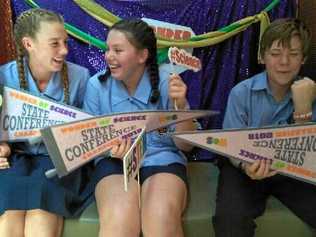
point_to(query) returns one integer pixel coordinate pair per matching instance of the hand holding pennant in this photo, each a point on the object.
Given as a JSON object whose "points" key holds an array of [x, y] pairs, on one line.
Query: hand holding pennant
{"points": [[73, 144], [290, 149]]}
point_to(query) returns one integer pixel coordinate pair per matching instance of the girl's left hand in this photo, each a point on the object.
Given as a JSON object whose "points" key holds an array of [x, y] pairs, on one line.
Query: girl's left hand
{"points": [[177, 91]]}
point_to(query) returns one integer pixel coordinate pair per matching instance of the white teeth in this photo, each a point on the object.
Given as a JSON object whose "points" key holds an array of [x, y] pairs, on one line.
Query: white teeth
{"points": [[113, 66], [58, 61]]}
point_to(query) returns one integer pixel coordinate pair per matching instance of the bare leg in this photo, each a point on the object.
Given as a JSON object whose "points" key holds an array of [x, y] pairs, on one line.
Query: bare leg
{"points": [[43, 224], [119, 213], [163, 201], [12, 224]]}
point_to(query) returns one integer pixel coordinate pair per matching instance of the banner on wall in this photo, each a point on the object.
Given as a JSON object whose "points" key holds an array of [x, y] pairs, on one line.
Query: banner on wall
{"points": [[23, 114], [132, 159], [73, 144], [290, 149]]}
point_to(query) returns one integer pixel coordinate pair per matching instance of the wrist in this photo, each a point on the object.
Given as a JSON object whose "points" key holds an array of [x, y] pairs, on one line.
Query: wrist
{"points": [[298, 116], [303, 108]]}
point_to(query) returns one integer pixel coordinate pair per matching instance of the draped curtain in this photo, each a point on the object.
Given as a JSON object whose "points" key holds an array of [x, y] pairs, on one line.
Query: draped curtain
{"points": [[224, 64], [306, 12], [6, 43]]}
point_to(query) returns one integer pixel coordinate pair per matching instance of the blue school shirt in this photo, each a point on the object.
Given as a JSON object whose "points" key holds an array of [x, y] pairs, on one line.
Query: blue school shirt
{"points": [[111, 96], [251, 104], [77, 77]]}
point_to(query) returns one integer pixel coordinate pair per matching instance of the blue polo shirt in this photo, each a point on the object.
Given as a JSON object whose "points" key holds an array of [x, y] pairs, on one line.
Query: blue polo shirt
{"points": [[111, 96], [77, 76], [251, 104]]}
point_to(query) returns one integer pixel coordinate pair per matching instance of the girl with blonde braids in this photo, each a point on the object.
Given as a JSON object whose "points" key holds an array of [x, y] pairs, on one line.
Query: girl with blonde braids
{"points": [[31, 204]]}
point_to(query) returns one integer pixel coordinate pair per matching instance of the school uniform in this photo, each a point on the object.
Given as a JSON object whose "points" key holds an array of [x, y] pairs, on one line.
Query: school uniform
{"points": [[24, 185], [240, 200], [110, 96]]}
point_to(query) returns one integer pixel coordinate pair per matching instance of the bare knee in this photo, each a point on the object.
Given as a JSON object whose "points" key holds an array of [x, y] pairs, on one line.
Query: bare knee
{"points": [[163, 199], [168, 212], [165, 219], [12, 224], [117, 208], [118, 215], [47, 224]]}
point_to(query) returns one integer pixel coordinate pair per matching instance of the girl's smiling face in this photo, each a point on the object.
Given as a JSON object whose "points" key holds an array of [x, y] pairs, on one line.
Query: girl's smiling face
{"points": [[126, 62], [48, 50]]}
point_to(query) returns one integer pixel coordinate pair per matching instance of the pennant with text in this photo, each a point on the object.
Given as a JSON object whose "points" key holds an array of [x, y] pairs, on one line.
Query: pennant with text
{"points": [[23, 114], [73, 144], [290, 149], [132, 159]]}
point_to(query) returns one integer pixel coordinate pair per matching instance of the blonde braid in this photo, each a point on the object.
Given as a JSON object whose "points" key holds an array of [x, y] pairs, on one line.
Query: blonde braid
{"points": [[19, 28], [64, 77], [20, 66]]}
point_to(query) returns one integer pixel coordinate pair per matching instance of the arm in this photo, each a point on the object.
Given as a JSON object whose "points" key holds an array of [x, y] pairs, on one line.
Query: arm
{"points": [[92, 105], [303, 95], [177, 94], [237, 116]]}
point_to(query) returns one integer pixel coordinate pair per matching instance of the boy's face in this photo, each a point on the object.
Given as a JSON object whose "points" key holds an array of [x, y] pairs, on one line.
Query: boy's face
{"points": [[283, 63]]}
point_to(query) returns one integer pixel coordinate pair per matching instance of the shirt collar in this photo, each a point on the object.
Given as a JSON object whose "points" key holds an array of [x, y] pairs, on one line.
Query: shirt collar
{"points": [[143, 90], [260, 82], [142, 93], [53, 88]]}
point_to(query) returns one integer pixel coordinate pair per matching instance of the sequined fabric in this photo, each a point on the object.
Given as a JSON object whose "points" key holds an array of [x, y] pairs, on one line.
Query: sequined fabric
{"points": [[6, 42], [224, 64]]}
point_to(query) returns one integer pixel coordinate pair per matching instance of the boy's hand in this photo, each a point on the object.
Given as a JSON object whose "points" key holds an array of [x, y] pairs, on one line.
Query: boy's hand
{"points": [[260, 169], [177, 91], [303, 95]]}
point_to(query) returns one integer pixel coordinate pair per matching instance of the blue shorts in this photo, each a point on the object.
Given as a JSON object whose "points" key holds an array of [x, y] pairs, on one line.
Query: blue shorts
{"points": [[24, 186], [111, 166]]}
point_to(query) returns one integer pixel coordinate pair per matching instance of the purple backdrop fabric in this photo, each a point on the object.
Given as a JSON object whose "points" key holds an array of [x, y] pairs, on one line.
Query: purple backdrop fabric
{"points": [[224, 64]]}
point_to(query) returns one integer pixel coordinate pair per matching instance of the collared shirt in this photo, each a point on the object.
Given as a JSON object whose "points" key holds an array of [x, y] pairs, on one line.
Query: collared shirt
{"points": [[111, 96], [251, 104], [77, 77]]}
